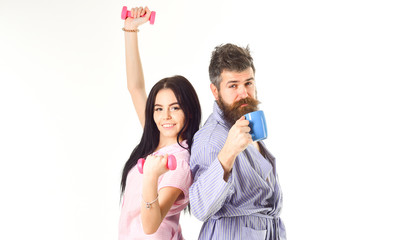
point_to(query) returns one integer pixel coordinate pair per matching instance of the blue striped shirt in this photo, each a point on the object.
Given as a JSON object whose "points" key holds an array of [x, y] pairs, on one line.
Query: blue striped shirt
{"points": [[248, 205]]}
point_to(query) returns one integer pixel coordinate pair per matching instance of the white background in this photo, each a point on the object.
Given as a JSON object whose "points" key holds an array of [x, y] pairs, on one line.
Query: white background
{"points": [[330, 76]]}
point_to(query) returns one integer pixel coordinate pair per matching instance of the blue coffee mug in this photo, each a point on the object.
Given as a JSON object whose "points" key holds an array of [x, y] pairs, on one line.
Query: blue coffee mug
{"points": [[257, 124]]}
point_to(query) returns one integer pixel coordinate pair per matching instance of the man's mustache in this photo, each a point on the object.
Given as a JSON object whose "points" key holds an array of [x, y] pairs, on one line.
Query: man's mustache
{"points": [[250, 101]]}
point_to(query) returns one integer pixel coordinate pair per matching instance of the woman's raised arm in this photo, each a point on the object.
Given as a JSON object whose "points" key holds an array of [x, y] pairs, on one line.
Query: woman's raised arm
{"points": [[135, 75]]}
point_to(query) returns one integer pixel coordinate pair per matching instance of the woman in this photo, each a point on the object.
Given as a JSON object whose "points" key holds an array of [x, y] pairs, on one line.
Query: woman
{"points": [[153, 201]]}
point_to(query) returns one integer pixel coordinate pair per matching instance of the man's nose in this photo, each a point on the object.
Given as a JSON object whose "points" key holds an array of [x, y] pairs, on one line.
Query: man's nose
{"points": [[242, 92]]}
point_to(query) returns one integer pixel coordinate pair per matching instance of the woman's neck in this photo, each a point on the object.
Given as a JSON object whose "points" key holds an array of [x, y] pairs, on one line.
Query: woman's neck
{"points": [[164, 142]]}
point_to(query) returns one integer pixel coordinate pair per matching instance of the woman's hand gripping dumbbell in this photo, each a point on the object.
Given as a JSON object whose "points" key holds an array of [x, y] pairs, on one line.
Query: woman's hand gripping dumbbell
{"points": [[125, 14], [170, 164]]}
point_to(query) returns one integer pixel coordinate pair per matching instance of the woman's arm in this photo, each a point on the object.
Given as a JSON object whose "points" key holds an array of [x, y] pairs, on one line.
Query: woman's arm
{"points": [[152, 215], [135, 75]]}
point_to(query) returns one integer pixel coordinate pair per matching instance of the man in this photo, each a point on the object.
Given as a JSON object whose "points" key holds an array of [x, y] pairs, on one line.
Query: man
{"points": [[236, 190]]}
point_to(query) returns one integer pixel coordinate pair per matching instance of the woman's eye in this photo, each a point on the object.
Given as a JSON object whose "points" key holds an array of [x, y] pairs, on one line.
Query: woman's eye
{"points": [[158, 109], [175, 108]]}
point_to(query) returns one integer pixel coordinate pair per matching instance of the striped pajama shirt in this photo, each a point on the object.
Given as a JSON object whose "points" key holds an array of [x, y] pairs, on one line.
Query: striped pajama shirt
{"points": [[248, 205]]}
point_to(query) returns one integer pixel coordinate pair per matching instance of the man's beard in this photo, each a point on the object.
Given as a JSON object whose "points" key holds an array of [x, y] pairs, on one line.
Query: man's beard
{"points": [[234, 111]]}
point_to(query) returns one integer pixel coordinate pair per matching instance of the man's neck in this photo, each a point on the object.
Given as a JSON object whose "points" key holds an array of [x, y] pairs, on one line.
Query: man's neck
{"points": [[256, 145]]}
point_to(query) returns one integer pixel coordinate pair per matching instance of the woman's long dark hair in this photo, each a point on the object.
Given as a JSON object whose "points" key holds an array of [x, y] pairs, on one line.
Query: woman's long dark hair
{"points": [[188, 102]]}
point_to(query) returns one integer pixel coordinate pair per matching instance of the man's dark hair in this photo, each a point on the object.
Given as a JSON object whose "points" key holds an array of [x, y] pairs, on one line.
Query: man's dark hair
{"points": [[229, 57]]}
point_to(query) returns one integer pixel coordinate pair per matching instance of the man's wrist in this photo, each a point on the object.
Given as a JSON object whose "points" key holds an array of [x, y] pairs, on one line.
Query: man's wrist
{"points": [[226, 159]]}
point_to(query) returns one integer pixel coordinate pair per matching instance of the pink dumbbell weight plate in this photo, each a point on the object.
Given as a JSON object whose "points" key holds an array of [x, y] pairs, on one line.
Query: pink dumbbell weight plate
{"points": [[125, 14], [171, 164]]}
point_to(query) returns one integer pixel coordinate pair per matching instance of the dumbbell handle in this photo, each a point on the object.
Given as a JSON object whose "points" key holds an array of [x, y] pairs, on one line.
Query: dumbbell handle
{"points": [[125, 14], [171, 164]]}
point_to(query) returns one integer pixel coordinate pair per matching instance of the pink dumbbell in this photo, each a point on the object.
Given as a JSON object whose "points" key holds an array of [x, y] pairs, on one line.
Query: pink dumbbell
{"points": [[125, 14], [171, 164]]}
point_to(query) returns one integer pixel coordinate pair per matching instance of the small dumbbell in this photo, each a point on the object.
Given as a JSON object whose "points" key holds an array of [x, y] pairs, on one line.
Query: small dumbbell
{"points": [[171, 164], [125, 14]]}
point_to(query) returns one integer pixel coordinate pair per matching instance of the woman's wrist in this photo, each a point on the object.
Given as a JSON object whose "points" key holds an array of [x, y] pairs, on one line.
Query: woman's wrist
{"points": [[149, 204], [149, 179], [130, 30], [149, 189]]}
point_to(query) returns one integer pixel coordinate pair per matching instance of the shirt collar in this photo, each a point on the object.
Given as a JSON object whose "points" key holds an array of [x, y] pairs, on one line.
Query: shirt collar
{"points": [[219, 115]]}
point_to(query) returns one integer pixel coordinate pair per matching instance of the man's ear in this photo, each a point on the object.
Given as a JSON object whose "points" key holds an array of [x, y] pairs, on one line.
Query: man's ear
{"points": [[214, 90]]}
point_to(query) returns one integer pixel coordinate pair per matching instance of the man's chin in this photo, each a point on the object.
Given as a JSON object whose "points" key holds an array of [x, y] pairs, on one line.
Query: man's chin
{"points": [[245, 111]]}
